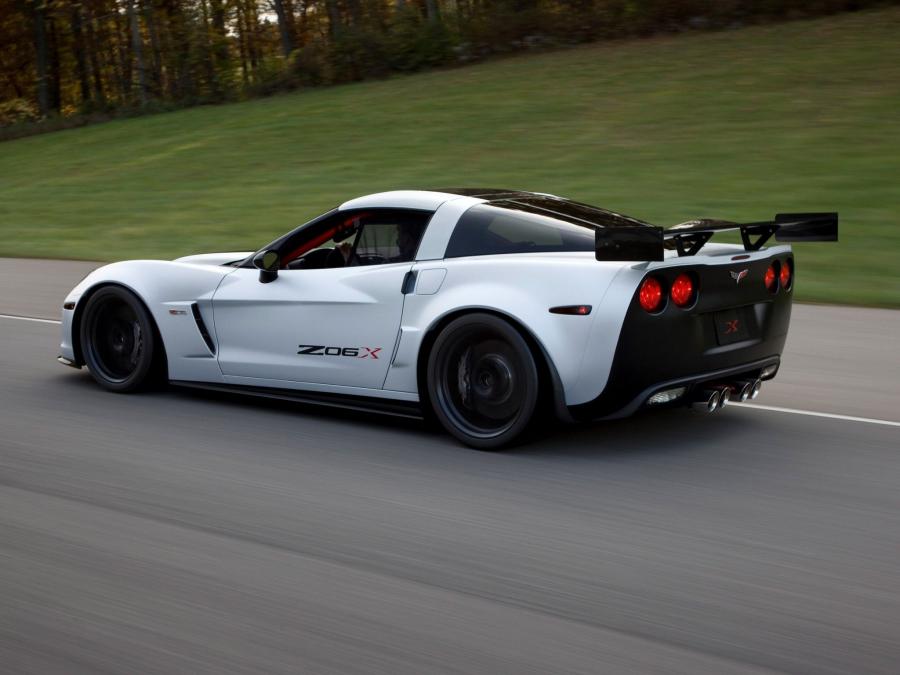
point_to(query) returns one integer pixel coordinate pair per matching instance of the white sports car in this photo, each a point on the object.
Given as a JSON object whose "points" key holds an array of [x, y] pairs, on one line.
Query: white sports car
{"points": [[480, 308]]}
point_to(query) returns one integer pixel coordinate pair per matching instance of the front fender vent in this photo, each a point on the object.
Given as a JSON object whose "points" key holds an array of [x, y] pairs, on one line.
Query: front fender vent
{"points": [[201, 326]]}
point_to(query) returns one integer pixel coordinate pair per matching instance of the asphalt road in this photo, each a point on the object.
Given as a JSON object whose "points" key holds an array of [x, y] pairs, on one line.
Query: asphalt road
{"points": [[176, 532]]}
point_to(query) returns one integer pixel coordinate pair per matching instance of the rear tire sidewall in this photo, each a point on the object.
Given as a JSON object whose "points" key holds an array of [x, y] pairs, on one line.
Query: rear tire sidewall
{"points": [[143, 371], [527, 380]]}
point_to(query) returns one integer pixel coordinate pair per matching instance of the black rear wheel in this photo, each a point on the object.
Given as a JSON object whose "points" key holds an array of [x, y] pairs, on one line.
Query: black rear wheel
{"points": [[482, 381], [118, 339]]}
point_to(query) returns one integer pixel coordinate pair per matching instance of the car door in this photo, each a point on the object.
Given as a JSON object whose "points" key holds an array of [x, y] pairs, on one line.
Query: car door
{"points": [[323, 325]]}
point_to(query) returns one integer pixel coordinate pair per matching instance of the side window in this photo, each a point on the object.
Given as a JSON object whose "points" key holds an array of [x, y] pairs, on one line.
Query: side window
{"points": [[519, 231], [380, 243], [320, 244], [491, 230], [348, 239]]}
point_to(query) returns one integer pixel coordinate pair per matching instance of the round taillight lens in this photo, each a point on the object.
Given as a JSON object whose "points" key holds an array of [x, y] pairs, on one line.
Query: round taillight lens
{"points": [[651, 294], [682, 291], [771, 279], [785, 276]]}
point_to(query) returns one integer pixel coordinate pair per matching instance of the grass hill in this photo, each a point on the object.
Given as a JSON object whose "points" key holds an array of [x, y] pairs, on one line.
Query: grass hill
{"points": [[739, 124]]}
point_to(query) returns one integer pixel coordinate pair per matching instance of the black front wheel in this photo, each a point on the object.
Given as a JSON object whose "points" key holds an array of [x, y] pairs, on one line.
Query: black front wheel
{"points": [[118, 340], [482, 381]]}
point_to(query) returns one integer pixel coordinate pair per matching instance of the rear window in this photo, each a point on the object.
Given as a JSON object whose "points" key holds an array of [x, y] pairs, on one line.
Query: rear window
{"points": [[488, 230]]}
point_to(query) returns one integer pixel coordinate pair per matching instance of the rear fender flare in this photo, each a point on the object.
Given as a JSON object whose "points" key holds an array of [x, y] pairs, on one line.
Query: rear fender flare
{"points": [[546, 366]]}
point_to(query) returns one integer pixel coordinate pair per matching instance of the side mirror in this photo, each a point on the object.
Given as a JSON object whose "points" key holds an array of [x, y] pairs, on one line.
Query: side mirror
{"points": [[267, 262]]}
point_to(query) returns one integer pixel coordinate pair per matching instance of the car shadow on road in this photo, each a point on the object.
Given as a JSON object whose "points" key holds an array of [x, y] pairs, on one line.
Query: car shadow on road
{"points": [[652, 432], [663, 432]]}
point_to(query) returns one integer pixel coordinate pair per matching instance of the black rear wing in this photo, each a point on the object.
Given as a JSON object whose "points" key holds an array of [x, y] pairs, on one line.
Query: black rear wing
{"points": [[649, 243]]}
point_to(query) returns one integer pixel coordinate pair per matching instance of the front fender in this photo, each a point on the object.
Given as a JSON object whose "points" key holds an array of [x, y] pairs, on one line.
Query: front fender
{"points": [[167, 289]]}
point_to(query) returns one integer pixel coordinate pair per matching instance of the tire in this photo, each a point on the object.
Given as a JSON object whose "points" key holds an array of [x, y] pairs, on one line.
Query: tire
{"points": [[119, 340], [482, 381]]}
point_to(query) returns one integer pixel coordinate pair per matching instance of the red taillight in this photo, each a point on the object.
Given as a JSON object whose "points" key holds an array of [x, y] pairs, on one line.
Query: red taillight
{"points": [[651, 295], [771, 279], [785, 276], [682, 290]]}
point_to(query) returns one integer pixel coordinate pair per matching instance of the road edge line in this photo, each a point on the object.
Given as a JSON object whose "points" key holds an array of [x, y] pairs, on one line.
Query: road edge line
{"points": [[752, 406], [29, 318], [813, 413]]}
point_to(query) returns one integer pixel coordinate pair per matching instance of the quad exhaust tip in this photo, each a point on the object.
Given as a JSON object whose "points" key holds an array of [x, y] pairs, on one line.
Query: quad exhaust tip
{"points": [[707, 400], [715, 398], [754, 391], [743, 389], [724, 397], [711, 400]]}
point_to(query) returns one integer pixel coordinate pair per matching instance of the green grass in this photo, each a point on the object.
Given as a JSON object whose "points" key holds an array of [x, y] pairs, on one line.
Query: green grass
{"points": [[739, 125]]}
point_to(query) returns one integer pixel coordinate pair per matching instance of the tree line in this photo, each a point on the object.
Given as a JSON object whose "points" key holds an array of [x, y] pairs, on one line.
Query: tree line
{"points": [[84, 57]]}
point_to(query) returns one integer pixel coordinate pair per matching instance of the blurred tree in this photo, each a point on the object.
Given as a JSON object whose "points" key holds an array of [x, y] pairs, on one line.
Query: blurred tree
{"points": [[137, 50], [80, 49], [94, 58], [284, 26], [101, 55], [334, 17], [37, 12], [156, 72]]}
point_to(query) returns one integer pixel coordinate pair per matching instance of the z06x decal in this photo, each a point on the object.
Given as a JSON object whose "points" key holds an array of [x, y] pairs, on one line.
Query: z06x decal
{"points": [[352, 352]]}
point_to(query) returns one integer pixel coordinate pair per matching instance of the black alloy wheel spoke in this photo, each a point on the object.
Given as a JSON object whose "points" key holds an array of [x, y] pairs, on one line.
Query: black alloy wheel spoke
{"points": [[117, 339], [136, 344], [481, 384]]}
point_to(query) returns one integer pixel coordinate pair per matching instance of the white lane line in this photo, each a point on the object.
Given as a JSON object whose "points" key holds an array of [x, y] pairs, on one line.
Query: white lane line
{"points": [[29, 318], [772, 408], [811, 413]]}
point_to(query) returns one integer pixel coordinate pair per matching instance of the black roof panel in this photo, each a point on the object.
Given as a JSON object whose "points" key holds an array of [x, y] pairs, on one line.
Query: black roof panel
{"points": [[484, 193], [548, 205]]}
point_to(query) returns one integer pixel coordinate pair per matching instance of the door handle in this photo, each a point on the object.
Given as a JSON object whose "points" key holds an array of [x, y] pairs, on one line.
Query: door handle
{"points": [[409, 283]]}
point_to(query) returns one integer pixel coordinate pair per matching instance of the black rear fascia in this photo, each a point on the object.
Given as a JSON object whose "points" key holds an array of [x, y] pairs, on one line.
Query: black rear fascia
{"points": [[680, 346]]}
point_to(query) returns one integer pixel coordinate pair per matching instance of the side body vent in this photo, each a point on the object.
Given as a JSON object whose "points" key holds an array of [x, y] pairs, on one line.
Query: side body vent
{"points": [[195, 310]]}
